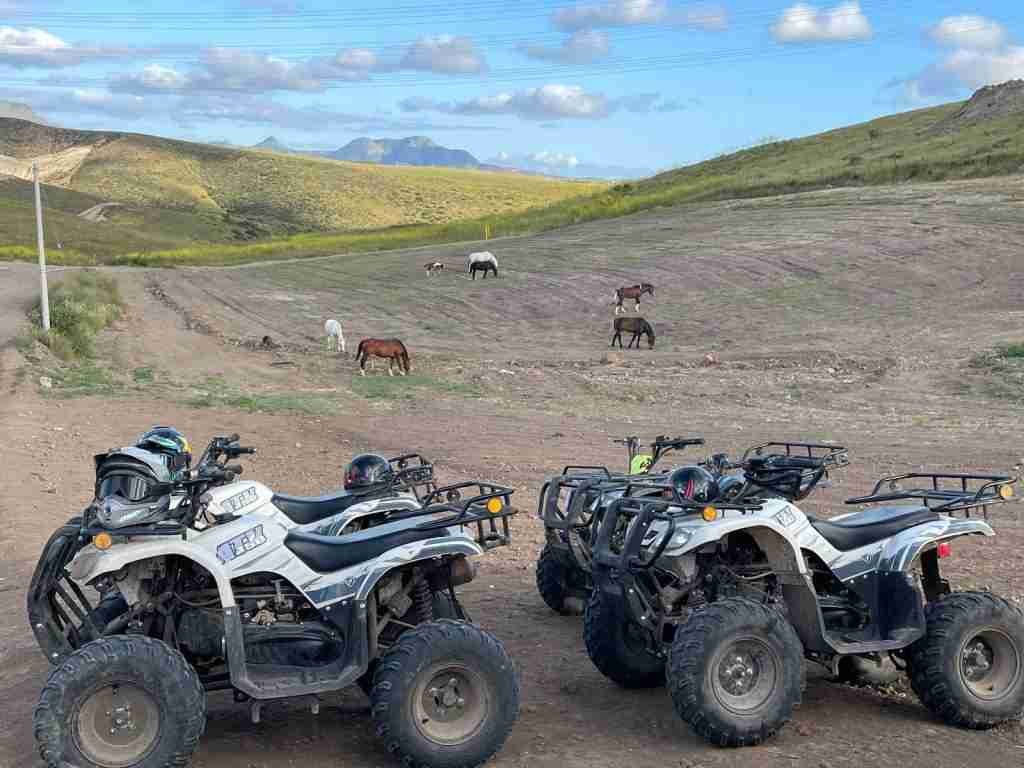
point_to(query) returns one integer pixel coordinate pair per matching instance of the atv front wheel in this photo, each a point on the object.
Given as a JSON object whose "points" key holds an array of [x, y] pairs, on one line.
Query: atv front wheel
{"points": [[120, 702], [619, 648], [969, 667], [445, 696], [558, 580], [736, 671]]}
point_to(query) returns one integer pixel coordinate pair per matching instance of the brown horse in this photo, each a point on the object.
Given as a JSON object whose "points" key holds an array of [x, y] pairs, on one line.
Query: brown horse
{"points": [[633, 292], [635, 325], [391, 349]]}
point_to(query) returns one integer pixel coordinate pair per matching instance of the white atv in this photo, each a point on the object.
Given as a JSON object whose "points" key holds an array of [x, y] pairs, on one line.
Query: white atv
{"points": [[735, 594], [236, 588]]}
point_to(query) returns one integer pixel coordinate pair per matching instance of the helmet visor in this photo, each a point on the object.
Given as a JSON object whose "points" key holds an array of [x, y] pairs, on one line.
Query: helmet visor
{"points": [[129, 487]]}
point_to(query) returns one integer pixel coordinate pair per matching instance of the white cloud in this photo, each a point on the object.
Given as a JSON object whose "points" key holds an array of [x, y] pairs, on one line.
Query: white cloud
{"points": [[983, 54], [612, 13], [566, 164], [973, 68], [444, 54], [969, 31], [803, 23], [153, 78], [549, 102], [92, 100], [711, 17], [30, 46], [554, 159], [543, 103], [237, 70], [350, 65], [581, 47]]}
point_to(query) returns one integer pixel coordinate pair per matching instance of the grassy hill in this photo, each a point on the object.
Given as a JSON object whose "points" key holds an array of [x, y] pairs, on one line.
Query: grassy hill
{"points": [[179, 192], [979, 138]]}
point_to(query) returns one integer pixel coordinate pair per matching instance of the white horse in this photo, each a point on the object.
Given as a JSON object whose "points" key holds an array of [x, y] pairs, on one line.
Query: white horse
{"points": [[335, 338], [482, 260]]}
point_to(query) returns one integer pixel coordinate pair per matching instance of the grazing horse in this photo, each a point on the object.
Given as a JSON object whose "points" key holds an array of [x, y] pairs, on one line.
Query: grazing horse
{"points": [[635, 325], [392, 349], [633, 292], [432, 267], [483, 260], [335, 338]]}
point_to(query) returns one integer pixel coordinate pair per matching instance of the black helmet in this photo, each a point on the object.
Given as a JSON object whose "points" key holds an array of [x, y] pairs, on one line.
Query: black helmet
{"points": [[365, 470], [695, 484], [168, 443], [133, 487]]}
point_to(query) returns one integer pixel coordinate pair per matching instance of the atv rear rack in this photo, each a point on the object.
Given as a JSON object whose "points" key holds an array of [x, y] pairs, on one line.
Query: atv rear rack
{"points": [[794, 473], [411, 478], [829, 454], [639, 513], [992, 489], [492, 528]]}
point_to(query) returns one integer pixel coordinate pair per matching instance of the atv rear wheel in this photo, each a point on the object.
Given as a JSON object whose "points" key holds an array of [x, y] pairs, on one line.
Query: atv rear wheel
{"points": [[969, 667], [736, 671], [445, 696], [618, 647], [120, 702], [444, 606], [559, 583]]}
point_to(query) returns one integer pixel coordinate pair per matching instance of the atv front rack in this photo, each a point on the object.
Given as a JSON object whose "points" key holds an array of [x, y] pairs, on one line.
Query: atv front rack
{"points": [[625, 526], [939, 497], [492, 528], [564, 501]]}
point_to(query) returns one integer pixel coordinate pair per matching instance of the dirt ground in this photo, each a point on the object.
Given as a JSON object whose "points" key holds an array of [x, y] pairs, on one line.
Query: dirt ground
{"points": [[853, 315]]}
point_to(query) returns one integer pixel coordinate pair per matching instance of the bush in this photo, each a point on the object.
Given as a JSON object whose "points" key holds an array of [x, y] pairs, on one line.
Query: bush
{"points": [[81, 306]]}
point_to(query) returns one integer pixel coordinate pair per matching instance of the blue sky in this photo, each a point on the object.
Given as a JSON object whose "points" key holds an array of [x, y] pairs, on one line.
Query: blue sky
{"points": [[573, 86]]}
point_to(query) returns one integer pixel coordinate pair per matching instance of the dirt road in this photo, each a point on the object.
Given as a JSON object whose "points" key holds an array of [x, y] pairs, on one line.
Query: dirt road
{"points": [[806, 359]]}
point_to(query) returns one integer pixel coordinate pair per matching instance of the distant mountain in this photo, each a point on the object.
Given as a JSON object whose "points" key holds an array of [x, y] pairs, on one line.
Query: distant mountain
{"points": [[272, 144], [412, 150], [20, 111]]}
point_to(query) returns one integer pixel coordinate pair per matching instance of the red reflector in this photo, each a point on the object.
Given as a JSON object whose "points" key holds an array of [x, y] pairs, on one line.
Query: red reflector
{"points": [[945, 549]]}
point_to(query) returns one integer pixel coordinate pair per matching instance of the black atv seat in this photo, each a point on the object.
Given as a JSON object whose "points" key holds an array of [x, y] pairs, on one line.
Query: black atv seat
{"points": [[303, 510], [871, 525], [326, 554]]}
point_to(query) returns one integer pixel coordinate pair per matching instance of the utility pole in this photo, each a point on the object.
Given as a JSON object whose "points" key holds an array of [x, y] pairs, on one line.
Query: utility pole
{"points": [[44, 297]]}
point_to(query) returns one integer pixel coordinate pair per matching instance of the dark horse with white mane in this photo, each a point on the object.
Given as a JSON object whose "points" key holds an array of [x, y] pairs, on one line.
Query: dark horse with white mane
{"points": [[635, 325], [633, 292], [391, 349]]}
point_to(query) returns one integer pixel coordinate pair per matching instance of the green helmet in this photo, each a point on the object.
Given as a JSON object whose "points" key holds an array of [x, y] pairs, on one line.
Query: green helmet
{"points": [[168, 443]]}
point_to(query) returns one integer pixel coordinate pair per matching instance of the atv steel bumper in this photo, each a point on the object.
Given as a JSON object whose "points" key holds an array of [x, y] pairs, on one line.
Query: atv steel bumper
{"points": [[58, 610]]}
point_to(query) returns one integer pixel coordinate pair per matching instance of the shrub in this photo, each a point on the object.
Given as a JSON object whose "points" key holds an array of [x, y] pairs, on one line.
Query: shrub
{"points": [[81, 306]]}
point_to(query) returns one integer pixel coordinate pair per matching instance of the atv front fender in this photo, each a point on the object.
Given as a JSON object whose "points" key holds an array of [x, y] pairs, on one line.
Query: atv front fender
{"points": [[901, 552], [91, 562]]}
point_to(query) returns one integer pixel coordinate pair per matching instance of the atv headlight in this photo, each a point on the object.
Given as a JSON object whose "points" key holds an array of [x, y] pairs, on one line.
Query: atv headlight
{"points": [[679, 539]]}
